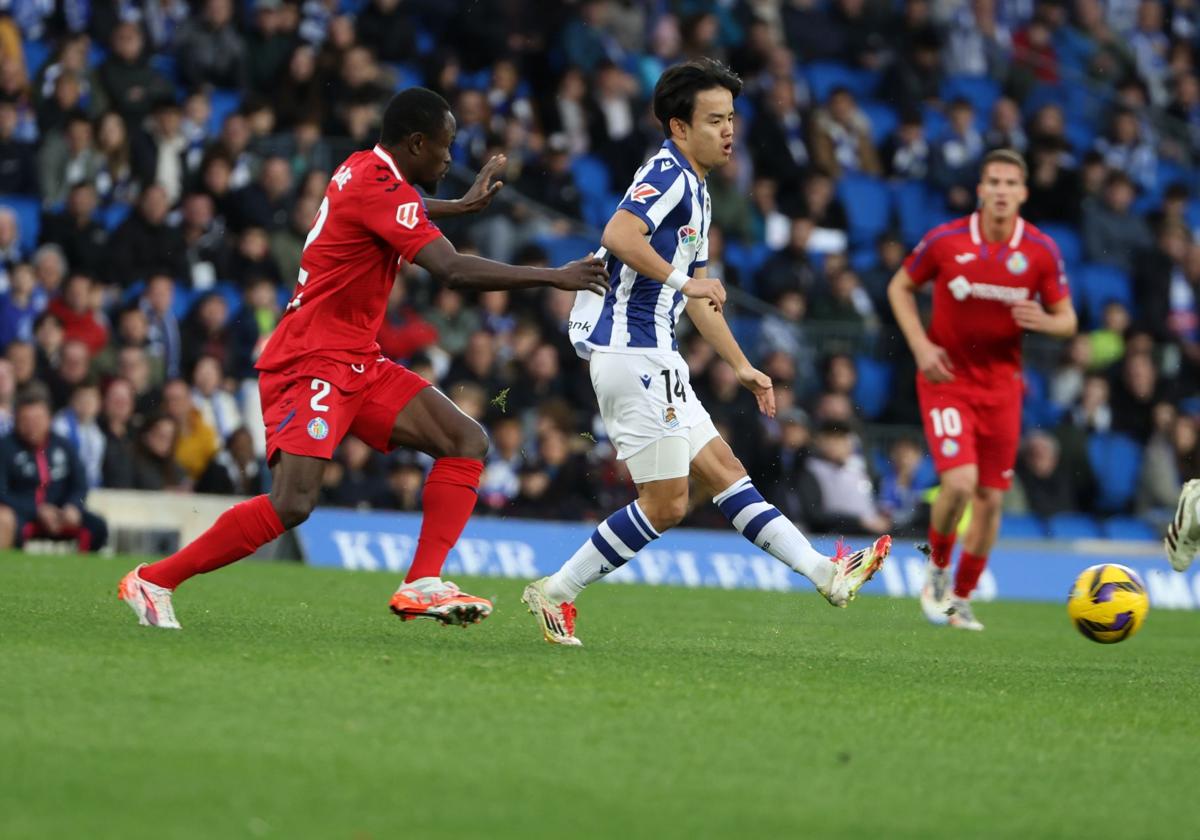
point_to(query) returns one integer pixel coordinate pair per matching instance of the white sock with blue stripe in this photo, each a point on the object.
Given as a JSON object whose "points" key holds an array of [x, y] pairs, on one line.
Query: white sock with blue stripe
{"points": [[611, 546], [759, 521]]}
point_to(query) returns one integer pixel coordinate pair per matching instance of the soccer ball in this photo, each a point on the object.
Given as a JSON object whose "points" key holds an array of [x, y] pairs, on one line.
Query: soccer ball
{"points": [[1108, 603]]}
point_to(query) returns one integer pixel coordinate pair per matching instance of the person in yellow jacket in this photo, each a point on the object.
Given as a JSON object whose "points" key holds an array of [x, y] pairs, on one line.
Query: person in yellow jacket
{"points": [[198, 441]]}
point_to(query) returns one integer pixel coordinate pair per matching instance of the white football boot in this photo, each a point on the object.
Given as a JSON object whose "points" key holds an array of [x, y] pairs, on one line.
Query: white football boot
{"points": [[150, 603], [556, 620], [959, 614], [853, 570], [935, 593], [1183, 534]]}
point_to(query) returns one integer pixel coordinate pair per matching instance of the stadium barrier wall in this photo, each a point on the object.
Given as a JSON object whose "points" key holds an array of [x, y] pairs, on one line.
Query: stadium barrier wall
{"points": [[1037, 571]]}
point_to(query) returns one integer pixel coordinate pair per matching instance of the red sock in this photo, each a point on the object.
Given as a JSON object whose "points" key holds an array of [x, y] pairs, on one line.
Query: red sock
{"points": [[237, 533], [940, 547], [970, 567], [450, 493]]}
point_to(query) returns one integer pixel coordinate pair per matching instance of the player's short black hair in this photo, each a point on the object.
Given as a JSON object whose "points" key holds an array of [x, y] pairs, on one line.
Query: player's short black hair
{"points": [[675, 92], [412, 111]]}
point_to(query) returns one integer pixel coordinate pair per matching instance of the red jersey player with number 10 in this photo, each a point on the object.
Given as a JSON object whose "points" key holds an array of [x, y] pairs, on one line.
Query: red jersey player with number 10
{"points": [[993, 275], [322, 376]]}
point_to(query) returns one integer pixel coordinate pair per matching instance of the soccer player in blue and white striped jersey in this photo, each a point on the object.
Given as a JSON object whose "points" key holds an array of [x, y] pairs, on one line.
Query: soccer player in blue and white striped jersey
{"points": [[656, 248]]}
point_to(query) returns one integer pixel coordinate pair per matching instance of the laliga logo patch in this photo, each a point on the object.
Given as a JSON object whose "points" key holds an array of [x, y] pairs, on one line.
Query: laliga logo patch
{"points": [[688, 235], [406, 214], [960, 287], [669, 418], [1017, 263], [318, 429], [641, 192], [949, 448]]}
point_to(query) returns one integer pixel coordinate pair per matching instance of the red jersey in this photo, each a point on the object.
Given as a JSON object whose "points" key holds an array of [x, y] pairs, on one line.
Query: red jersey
{"points": [[975, 284], [369, 220]]}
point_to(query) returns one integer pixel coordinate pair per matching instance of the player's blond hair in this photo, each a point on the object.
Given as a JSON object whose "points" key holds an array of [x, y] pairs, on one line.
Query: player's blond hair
{"points": [[1009, 156]]}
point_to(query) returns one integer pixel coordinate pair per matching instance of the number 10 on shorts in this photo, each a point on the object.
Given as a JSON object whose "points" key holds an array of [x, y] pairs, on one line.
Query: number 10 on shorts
{"points": [[947, 422]]}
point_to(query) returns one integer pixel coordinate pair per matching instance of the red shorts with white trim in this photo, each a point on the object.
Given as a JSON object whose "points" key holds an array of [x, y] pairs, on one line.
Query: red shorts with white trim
{"points": [[962, 427], [308, 408]]}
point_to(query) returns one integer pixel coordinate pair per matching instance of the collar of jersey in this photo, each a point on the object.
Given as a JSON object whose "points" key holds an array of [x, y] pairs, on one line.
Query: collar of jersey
{"points": [[382, 154], [680, 157]]}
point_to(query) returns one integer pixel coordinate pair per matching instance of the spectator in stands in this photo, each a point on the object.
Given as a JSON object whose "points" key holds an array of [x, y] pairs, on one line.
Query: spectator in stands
{"points": [[405, 480], [499, 483], [1185, 112], [273, 35], [790, 269], [915, 79], [252, 327], [43, 485], [116, 421], [1124, 149], [116, 182], [265, 203], [1108, 339], [48, 341], [901, 497], [208, 254], [22, 355], [20, 305], [731, 210], [839, 494], [1149, 44], [1135, 392], [956, 158], [126, 80], [84, 240], [1047, 486], [976, 43], [8, 394], [235, 470], [1066, 385], [209, 48], [18, 172], [132, 330], [287, 243], [1112, 233], [165, 342], [1054, 190], [72, 370], [299, 94], [74, 309], [777, 136], [217, 406], [253, 259], [353, 479], [206, 332], [1035, 59], [728, 403], [847, 302], [841, 137], [145, 244], [158, 150], [906, 154], [196, 441], [1005, 130], [77, 424], [154, 466], [1166, 297], [68, 157]]}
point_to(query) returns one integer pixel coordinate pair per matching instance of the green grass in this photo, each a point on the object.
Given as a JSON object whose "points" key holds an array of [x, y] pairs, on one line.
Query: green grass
{"points": [[293, 705]]}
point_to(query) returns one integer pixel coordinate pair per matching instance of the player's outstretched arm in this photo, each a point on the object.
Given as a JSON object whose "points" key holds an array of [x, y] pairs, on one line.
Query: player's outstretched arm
{"points": [[478, 197], [625, 237], [463, 271], [715, 329], [932, 361]]}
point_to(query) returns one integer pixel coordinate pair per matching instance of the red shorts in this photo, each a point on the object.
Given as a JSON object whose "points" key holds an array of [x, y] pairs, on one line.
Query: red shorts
{"points": [[310, 407], [963, 428]]}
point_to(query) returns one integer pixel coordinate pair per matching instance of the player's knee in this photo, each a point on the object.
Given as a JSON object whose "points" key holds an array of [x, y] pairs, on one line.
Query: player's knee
{"points": [[665, 513], [959, 485], [467, 440], [293, 508]]}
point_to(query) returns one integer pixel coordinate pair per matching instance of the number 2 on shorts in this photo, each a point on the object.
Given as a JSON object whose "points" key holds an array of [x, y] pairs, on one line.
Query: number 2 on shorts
{"points": [[322, 388]]}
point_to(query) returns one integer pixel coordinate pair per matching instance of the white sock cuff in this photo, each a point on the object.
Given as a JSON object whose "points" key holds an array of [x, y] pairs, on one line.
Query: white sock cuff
{"points": [[741, 484]]}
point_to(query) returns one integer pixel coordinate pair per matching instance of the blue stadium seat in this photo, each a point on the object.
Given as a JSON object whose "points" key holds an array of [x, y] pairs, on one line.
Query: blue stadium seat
{"points": [[1037, 410], [1043, 94], [563, 249], [883, 120], [222, 103], [1021, 526], [112, 216], [591, 175], [864, 258], [28, 211], [867, 204], [37, 53], [166, 64], [981, 91], [911, 201], [1081, 135], [1073, 526], [874, 386], [406, 75], [1099, 284], [825, 76], [1128, 528], [233, 296], [1069, 243], [1116, 461]]}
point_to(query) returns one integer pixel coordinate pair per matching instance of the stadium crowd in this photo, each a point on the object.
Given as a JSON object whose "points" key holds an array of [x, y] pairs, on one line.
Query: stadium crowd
{"points": [[160, 164]]}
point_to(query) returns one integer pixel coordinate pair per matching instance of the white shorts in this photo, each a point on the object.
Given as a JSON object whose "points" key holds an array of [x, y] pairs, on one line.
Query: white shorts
{"points": [[645, 398]]}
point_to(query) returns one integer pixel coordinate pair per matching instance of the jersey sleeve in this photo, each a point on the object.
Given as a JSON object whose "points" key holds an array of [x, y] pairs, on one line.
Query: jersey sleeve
{"points": [[922, 263], [656, 194], [1052, 282], [395, 212]]}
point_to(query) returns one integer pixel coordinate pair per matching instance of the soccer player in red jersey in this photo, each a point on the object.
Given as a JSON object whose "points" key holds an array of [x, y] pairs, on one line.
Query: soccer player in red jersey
{"points": [[994, 275], [322, 376]]}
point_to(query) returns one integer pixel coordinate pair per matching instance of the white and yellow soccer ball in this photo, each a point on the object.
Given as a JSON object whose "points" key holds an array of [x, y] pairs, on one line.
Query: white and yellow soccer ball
{"points": [[1108, 603]]}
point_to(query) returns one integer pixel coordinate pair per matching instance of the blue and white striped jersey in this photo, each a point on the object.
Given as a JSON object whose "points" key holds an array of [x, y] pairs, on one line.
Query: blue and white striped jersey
{"points": [[638, 314]]}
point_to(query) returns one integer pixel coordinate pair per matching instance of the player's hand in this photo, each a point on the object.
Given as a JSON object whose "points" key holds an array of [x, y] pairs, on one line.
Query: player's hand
{"points": [[706, 287], [1030, 315], [483, 190], [50, 518], [759, 384], [586, 274], [934, 363]]}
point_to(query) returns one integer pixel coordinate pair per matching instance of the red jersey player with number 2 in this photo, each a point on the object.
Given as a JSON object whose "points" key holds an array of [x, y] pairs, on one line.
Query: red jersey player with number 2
{"points": [[322, 376], [994, 275]]}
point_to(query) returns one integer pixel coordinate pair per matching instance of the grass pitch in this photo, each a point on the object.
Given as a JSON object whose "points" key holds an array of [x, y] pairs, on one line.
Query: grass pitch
{"points": [[294, 705]]}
